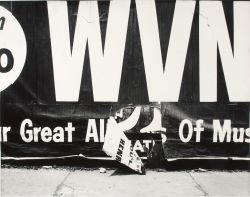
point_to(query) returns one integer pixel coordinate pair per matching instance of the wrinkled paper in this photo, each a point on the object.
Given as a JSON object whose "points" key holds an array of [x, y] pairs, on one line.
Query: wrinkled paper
{"points": [[119, 147]]}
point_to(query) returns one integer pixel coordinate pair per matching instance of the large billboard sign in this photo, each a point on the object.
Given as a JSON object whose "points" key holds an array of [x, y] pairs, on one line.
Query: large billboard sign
{"points": [[143, 72]]}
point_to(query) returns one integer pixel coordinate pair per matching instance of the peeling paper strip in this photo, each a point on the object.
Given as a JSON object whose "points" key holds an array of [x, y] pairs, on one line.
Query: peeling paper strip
{"points": [[62, 157], [113, 159], [209, 158]]}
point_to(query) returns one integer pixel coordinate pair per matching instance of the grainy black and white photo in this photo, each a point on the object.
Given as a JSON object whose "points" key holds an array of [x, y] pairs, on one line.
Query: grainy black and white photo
{"points": [[125, 98]]}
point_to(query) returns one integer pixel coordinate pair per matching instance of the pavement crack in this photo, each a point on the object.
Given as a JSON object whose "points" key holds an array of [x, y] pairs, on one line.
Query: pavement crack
{"points": [[62, 189], [198, 186]]}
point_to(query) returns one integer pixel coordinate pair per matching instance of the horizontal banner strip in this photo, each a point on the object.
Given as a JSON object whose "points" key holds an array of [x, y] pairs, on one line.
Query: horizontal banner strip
{"points": [[112, 159], [210, 158], [61, 157]]}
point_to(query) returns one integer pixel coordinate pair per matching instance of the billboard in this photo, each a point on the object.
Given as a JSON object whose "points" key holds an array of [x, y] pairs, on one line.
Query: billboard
{"points": [[174, 73]]}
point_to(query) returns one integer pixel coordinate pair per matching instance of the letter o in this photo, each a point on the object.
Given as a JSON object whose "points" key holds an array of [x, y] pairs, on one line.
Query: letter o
{"points": [[190, 130]]}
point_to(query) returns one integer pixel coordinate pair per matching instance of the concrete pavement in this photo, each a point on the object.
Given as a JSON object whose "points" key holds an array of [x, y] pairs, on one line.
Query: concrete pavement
{"points": [[92, 183]]}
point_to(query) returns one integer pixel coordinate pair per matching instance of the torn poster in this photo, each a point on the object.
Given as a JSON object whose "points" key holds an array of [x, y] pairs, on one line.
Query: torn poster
{"points": [[118, 146]]}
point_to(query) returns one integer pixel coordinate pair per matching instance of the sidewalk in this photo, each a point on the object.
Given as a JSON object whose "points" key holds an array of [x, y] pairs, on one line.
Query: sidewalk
{"points": [[92, 183]]}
